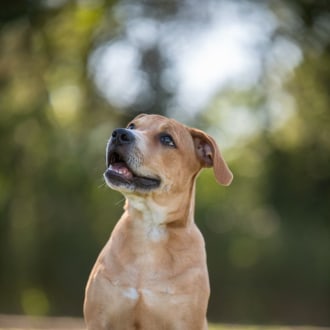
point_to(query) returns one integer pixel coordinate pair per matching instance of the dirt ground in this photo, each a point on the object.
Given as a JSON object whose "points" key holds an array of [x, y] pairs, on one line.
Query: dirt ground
{"points": [[19, 322], [50, 323]]}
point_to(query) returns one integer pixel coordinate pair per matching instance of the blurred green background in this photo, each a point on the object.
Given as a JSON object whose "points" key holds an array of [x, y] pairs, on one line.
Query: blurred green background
{"points": [[254, 74]]}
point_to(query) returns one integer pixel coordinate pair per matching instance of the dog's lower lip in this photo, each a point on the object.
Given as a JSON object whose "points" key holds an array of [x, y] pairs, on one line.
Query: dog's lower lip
{"points": [[119, 174]]}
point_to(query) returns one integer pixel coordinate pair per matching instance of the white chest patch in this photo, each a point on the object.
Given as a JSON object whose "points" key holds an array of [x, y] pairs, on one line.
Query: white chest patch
{"points": [[153, 221], [134, 294], [156, 232], [131, 293]]}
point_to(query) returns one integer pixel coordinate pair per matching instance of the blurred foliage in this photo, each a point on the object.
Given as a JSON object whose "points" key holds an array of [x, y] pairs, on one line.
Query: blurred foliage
{"points": [[267, 235]]}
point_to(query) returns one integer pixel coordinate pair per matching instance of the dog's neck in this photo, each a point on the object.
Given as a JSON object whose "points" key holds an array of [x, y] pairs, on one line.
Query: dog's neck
{"points": [[163, 209]]}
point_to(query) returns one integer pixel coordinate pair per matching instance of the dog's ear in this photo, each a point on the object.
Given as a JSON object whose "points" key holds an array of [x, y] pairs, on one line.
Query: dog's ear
{"points": [[210, 156]]}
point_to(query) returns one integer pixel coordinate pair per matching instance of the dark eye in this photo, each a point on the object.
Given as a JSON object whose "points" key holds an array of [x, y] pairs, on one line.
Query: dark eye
{"points": [[167, 140], [131, 126]]}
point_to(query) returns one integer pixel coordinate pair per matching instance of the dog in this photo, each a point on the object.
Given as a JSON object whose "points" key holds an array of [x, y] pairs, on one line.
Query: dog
{"points": [[152, 273]]}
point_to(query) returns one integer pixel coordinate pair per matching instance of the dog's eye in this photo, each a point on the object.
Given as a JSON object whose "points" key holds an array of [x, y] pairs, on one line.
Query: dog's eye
{"points": [[167, 140], [131, 126]]}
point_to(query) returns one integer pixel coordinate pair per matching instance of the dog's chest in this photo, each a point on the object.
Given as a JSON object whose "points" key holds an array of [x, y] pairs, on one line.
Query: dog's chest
{"points": [[143, 257], [147, 295]]}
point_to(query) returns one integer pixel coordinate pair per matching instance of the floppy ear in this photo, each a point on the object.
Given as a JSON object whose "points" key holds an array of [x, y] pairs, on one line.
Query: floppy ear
{"points": [[210, 156]]}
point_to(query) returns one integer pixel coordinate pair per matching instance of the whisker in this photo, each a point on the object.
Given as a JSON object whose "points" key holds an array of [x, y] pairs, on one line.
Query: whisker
{"points": [[120, 201], [102, 185]]}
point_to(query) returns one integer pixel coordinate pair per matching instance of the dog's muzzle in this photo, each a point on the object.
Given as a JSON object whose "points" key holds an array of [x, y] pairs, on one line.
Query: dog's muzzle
{"points": [[123, 161]]}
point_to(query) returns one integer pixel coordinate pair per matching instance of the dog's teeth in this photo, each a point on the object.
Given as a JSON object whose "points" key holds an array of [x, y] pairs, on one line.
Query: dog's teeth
{"points": [[121, 170]]}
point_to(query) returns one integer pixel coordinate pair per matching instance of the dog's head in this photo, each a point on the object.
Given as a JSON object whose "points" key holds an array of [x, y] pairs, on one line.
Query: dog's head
{"points": [[154, 153]]}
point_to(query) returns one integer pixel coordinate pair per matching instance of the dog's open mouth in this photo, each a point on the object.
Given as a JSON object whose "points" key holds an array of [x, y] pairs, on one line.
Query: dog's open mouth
{"points": [[119, 166], [119, 173]]}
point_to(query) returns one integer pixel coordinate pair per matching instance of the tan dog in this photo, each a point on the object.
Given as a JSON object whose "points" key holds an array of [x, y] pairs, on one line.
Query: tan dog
{"points": [[152, 273]]}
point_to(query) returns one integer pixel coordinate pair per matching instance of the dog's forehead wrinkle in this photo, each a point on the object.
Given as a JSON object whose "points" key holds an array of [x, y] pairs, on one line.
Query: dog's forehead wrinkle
{"points": [[158, 123]]}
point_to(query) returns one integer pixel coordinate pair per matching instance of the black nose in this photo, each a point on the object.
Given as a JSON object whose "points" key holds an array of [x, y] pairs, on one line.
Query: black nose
{"points": [[122, 136]]}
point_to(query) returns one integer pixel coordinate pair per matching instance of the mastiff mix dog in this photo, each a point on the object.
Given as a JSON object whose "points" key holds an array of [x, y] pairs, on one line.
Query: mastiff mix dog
{"points": [[152, 273]]}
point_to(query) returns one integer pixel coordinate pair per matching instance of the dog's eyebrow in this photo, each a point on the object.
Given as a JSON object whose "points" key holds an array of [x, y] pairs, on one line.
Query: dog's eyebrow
{"points": [[165, 127], [169, 129]]}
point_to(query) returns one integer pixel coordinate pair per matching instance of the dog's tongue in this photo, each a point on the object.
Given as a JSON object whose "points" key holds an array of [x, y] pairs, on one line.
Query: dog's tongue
{"points": [[122, 170]]}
